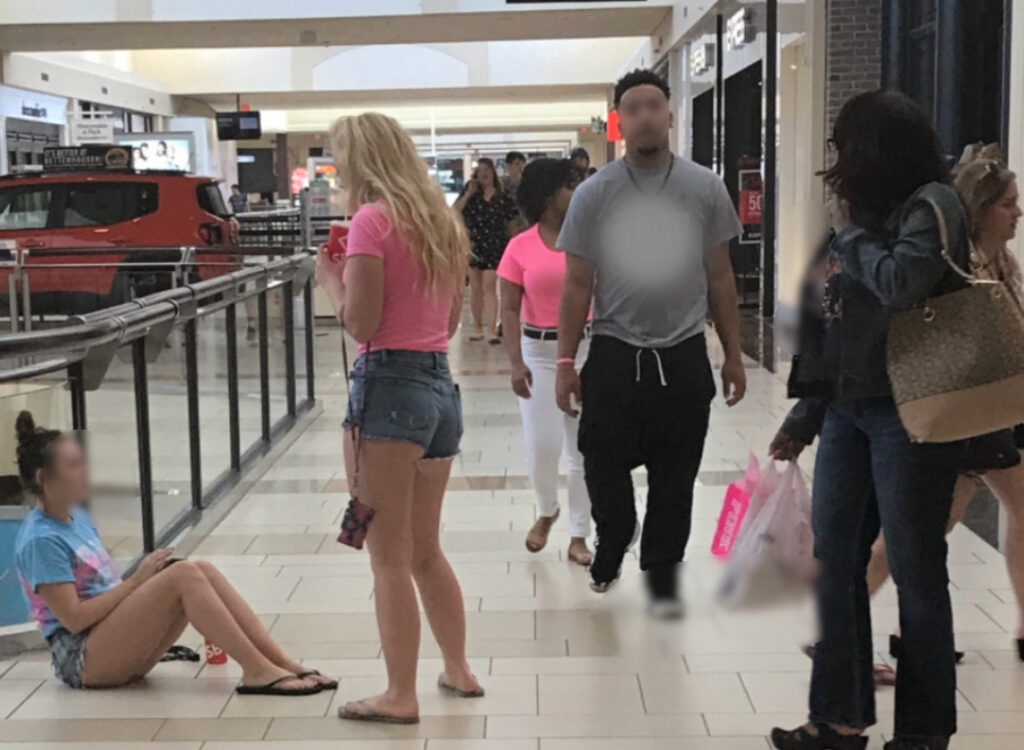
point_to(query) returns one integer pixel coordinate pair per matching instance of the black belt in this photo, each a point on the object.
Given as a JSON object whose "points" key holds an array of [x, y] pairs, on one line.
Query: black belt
{"points": [[549, 334]]}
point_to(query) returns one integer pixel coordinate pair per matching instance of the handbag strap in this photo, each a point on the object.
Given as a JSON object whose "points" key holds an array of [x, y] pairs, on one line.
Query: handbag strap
{"points": [[946, 255], [357, 426]]}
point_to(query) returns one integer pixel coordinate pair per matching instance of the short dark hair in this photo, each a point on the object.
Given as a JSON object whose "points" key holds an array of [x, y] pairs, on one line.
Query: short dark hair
{"points": [[640, 77], [887, 149], [542, 178], [579, 153], [514, 156], [235, 187]]}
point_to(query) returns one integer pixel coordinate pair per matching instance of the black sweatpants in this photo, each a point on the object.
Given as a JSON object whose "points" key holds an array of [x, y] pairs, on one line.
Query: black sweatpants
{"points": [[643, 407]]}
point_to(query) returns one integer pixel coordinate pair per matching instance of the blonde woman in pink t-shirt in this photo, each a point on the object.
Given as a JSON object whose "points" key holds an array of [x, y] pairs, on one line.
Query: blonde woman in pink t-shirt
{"points": [[532, 271], [397, 289]]}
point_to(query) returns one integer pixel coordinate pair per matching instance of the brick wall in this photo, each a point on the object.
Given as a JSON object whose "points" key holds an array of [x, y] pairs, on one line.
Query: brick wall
{"points": [[853, 50]]}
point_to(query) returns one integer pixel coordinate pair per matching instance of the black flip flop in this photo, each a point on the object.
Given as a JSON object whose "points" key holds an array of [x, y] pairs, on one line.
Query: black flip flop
{"points": [[180, 653], [478, 692], [331, 685], [372, 716], [274, 688]]}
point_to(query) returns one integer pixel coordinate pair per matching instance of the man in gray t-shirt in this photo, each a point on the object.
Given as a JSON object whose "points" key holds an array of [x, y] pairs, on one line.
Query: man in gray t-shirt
{"points": [[647, 241]]}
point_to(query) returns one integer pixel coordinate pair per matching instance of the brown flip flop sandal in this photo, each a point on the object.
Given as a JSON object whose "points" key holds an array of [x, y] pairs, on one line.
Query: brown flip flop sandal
{"points": [[535, 540], [373, 716], [478, 692]]}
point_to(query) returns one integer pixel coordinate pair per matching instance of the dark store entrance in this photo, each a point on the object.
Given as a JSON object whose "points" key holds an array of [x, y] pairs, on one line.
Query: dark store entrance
{"points": [[703, 129], [743, 136]]}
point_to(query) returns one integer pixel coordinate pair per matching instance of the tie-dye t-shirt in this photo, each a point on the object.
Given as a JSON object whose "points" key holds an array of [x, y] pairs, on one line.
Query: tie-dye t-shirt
{"points": [[52, 551]]}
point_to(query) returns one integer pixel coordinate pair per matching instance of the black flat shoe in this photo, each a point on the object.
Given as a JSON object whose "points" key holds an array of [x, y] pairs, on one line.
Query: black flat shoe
{"points": [[896, 649], [935, 743], [827, 739]]}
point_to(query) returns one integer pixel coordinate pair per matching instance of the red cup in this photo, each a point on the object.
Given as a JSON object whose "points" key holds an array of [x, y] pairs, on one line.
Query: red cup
{"points": [[336, 241], [214, 654]]}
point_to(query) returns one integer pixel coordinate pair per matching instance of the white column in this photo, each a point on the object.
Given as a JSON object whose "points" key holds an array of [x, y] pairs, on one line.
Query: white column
{"points": [[5, 168], [679, 81]]}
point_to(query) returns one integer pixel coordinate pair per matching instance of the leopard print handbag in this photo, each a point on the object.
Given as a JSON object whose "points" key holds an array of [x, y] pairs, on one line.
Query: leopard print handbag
{"points": [[956, 363]]}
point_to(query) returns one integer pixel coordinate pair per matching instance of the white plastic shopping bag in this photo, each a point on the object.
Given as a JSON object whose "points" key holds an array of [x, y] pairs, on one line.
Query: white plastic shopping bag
{"points": [[772, 561]]}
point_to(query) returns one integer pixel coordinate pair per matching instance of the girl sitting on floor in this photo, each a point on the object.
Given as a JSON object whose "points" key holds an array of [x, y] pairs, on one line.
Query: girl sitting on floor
{"points": [[104, 631]]}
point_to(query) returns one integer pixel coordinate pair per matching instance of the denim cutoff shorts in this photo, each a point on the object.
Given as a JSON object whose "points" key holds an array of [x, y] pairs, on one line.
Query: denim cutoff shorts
{"points": [[67, 653], [396, 394]]}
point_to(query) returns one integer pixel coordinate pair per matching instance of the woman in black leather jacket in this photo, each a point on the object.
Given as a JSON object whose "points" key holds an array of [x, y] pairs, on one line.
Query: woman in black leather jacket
{"points": [[889, 182]]}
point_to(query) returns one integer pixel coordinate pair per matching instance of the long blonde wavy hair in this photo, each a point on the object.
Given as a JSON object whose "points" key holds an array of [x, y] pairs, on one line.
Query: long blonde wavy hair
{"points": [[377, 161]]}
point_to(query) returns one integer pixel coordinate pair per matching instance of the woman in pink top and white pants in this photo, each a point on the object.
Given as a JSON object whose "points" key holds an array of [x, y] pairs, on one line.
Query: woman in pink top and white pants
{"points": [[532, 271], [398, 291]]}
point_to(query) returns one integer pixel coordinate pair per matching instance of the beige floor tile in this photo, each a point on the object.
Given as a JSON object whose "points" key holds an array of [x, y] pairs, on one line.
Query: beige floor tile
{"points": [[991, 742], [794, 662], [693, 692], [510, 744], [153, 698], [510, 694], [758, 725], [225, 544], [14, 692], [498, 647], [584, 665], [680, 743], [590, 694], [286, 544], [990, 691], [479, 625], [376, 667], [319, 745], [596, 725], [98, 745], [332, 728], [79, 730], [252, 728]]}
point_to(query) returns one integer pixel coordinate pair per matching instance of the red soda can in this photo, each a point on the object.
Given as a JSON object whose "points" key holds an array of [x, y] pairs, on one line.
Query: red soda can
{"points": [[214, 654], [336, 241]]}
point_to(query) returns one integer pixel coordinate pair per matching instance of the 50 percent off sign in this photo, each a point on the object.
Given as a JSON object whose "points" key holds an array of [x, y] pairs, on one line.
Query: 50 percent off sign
{"points": [[751, 201]]}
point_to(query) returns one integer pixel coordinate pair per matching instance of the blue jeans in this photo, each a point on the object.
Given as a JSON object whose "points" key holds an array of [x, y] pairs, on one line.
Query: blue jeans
{"points": [[408, 396], [869, 476]]}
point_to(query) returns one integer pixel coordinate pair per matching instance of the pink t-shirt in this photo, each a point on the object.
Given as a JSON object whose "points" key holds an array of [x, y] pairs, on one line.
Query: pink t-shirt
{"points": [[540, 271], [415, 316]]}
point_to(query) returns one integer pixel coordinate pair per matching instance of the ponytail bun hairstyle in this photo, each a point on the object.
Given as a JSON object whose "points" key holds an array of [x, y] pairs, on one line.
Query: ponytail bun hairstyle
{"points": [[34, 452]]}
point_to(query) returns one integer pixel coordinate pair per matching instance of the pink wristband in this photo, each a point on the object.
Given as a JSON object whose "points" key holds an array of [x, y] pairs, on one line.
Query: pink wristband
{"points": [[565, 361]]}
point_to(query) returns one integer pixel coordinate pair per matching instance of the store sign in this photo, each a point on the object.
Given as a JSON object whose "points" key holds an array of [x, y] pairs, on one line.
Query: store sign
{"points": [[87, 158], [702, 58], [34, 110], [751, 201], [740, 31], [84, 132]]}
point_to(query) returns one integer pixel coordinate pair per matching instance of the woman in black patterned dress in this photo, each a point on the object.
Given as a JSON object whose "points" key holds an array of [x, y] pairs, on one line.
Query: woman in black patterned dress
{"points": [[487, 211]]}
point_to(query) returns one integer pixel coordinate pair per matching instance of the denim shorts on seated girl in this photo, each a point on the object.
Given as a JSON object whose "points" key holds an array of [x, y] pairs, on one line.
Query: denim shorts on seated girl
{"points": [[396, 394]]}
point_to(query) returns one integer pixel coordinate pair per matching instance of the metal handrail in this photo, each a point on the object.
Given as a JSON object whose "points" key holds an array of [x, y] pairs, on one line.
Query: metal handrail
{"points": [[125, 322]]}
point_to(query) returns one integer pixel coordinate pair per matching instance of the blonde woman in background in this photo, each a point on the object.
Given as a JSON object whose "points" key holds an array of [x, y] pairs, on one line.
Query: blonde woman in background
{"points": [[398, 292]]}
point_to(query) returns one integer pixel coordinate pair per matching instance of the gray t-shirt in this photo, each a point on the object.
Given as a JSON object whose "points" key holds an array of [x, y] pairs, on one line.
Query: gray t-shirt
{"points": [[650, 247]]}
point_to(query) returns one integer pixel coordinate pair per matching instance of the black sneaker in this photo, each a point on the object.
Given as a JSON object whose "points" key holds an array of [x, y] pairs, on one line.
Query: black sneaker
{"points": [[901, 743], [827, 739], [603, 587], [667, 609]]}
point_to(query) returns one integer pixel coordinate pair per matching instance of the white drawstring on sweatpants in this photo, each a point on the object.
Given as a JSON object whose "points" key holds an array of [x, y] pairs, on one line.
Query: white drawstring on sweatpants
{"points": [[549, 434], [657, 358]]}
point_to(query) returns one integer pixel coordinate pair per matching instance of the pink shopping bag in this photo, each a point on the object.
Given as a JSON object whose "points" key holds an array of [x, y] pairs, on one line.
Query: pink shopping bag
{"points": [[734, 509]]}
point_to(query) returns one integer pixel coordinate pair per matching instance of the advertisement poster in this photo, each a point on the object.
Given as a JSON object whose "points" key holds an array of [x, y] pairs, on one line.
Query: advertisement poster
{"points": [[751, 196]]}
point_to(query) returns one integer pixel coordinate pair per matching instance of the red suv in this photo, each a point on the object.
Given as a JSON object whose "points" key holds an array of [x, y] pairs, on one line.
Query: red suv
{"points": [[45, 212]]}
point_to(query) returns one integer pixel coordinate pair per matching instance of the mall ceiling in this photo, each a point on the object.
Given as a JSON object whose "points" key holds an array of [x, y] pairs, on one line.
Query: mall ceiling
{"points": [[584, 23]]}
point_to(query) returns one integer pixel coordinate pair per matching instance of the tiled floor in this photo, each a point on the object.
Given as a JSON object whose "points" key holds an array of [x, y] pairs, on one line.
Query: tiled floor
{"points": [[564, 669]]}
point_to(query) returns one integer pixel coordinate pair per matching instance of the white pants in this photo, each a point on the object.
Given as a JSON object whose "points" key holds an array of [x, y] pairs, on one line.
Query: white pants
{"points": [[548, 433]]}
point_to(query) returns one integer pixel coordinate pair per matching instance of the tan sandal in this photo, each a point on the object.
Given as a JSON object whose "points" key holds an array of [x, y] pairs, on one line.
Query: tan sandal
{"points": [[537, 538], [582, 557]]}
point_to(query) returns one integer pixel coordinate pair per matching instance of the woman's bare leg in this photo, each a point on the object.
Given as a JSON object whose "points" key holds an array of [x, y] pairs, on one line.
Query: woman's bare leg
{"points": [[121, 646], [439, 588], [1008, 486], [250, 622], [386, 474], [490, 287], [169, 639], [476, 300]]}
